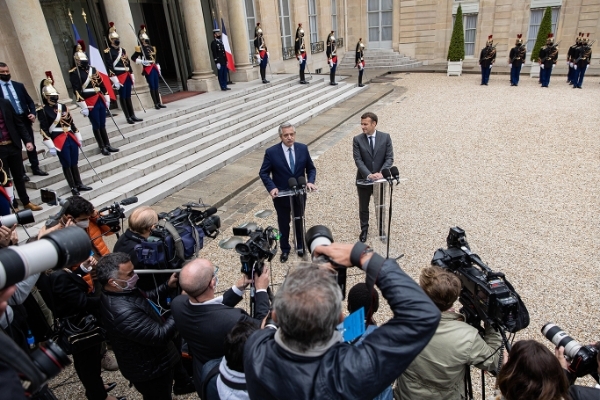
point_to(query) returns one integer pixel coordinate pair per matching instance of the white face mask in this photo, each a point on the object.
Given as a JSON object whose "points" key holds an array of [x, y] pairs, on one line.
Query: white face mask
{"points": [[83, 224]]}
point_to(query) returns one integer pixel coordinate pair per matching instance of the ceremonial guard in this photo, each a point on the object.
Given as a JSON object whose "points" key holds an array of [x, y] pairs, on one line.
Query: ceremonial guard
{"points": [[571, 56], [359, 61], [262, 54], [547, 59], [91, 95], [217, 49], [332, 57], [120, 72], [145, 55], [60, 134], [516, 58], [300, 49], [487, 58], [581, 62]]}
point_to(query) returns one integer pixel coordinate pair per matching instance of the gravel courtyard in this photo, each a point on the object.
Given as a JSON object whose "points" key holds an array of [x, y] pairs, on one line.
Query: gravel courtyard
{"points": [[516, 167]]}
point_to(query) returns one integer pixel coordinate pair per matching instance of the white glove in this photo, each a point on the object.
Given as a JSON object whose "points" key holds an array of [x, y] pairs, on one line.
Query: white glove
{"points": [[52, 152], [575, 67], [509, 65], [330, 64], [85, 112], [115, 82], [570, 64], [491, 66], [107, 100], [159, 69], [50, 145], [542, 66], [552, 66], [139, 61], [267, 54], [300, 60], [360, 67], [258, 57], [218, 66], [145, 63], [79, 138]]}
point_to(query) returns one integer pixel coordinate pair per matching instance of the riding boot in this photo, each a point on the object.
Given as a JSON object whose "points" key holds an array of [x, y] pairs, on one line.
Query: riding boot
{"points": [[106, 142], [360, 84], [100, 142], [158, 100], [263, 75], [132, 111], [332, 78], [123, 104], [71, 181], [302, 80], [77, 179]]}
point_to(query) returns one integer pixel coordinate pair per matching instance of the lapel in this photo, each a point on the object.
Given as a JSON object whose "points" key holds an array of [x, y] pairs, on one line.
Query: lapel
{"points": [[378, 143]]}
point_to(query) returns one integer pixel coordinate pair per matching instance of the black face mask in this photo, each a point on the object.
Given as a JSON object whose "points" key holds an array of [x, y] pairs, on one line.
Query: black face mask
{"points": [[117, 42], [84, 63], [53, 99], [219, 37], [5, 77]]}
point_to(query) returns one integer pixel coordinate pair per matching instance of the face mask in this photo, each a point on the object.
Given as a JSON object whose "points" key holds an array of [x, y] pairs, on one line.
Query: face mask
{"points": [[131, 282], [117, 42], [53, 99], [5, 77], [83, 224]]}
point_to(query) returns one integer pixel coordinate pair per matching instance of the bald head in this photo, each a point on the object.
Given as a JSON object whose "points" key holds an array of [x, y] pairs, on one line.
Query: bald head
{"points": [[196, 276], [142, 219]]}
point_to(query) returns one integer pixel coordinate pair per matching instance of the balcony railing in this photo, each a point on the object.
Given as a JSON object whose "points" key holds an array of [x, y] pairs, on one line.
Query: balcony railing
{"points": [[317, 47], [288, 53], [252, 59]]}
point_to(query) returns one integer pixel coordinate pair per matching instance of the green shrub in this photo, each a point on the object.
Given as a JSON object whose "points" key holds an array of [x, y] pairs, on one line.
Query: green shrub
{"points": [[542, 36], [456, 51]]}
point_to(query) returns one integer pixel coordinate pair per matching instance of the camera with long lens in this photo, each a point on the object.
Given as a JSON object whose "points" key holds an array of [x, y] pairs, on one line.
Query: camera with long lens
{"points": [[583, 360], [114, 214], [22, 217], [486, 295], [320, 235], [191, 216], [261, 246]]}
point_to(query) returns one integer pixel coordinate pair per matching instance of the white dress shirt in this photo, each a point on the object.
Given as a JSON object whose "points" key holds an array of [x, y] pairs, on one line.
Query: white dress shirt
{"points": [[287, 154]]}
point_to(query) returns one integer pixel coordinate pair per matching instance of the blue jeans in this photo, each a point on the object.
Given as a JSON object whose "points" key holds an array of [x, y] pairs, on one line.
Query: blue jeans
{"points": [[125, 90], [222, 74], [152, 79], [98, 114], [485, 75], [515, 72]]}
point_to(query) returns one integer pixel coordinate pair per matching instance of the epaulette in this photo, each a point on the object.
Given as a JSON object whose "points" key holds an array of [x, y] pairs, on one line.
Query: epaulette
{"points": [[73, 69], [106, 50], [39, 107], [138, 49]]}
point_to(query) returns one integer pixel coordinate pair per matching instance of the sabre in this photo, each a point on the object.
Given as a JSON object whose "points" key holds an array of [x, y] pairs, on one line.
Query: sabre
{"points": [[270, 70], [311, 76], [144, 58], [115, 122], [91, 166]]}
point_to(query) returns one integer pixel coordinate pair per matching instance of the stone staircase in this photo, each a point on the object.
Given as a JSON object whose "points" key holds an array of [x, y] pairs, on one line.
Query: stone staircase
{"points": [[380, 59], [188, 140]]}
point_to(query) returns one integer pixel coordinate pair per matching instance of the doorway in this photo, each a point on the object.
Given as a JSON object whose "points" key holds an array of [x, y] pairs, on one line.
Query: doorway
{"points": [[379, 16]]}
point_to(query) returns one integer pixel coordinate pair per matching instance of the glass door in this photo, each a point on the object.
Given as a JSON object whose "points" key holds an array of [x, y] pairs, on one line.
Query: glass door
{"points": [[379, 14]]}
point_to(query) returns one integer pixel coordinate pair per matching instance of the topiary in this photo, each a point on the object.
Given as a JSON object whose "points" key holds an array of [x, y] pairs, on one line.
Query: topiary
{"points": [[456, 51], [545, 29]]}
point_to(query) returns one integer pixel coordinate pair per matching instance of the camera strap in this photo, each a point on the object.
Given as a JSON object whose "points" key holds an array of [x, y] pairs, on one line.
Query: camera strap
{"points": [[179, 249]]}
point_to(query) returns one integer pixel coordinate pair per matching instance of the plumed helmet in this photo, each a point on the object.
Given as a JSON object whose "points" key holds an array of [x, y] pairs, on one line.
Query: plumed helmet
{"points": [[112, 33], [258, 30], [47, 89], [299, 31], [143, 35], [359, 45], [490, 41], [79, 52], [519, 38], [585, 39], [550, 38], [331, 37]]}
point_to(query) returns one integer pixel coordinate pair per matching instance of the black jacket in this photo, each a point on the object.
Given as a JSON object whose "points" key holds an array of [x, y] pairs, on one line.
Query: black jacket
{"points": [[141, 339], [70, 295], [14, 125], [217, 49], [345, 371]]}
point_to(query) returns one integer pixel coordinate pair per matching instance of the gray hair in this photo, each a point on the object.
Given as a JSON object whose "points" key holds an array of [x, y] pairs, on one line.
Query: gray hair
{"points": [[308, 307], [286, 125], [108, 266]]}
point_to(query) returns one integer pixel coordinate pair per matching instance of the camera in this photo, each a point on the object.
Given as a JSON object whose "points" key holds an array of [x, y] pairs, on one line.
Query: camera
{"points": [[205, 220], [22, 217], [115, 214], [582, 359], [261, 246], [320, 235], [486, 295]]}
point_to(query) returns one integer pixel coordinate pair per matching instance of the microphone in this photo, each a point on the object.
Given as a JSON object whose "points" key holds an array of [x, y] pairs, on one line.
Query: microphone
{"points": [[293, 184], [395, 174], [209, 212], [387, 175], [302, 182], [129, 200]]}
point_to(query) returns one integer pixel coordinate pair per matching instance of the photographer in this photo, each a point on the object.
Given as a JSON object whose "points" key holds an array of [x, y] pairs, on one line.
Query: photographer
{"points": [[9, 379], [203, 319], [439, 371], [306, 359], [578, 392]]}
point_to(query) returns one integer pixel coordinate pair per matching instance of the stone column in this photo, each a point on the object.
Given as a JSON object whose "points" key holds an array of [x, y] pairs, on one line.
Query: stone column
{"points": [[34, 39], [203, 78], [240, 43], [118, 11]]}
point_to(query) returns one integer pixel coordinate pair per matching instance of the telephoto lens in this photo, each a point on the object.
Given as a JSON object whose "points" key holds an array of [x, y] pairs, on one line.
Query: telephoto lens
{"points": [[320, 235], [560, 338], [22, 217]]}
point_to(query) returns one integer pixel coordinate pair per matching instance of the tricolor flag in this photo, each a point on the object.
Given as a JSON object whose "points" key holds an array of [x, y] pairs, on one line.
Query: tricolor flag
{"points": [[97, 62], [230, 63]]}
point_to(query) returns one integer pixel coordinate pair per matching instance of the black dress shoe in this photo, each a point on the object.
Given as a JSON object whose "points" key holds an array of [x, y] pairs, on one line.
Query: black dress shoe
{"points": [[75, 192], [300, 252], [110, 386], [39, 172], [265, 81], [136, 119], [15, 204], [284, 257], [26, 178], [333, 83], [84, 188], [111, 149], [363, 236], [189, 388], [104, 151], [227, 88], [160, 105], [360, 85], [130, 121]]}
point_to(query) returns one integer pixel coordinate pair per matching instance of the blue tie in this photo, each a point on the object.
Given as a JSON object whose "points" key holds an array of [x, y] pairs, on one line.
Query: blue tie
{"points": [[292, 164], [12, 99], [371, 143]]}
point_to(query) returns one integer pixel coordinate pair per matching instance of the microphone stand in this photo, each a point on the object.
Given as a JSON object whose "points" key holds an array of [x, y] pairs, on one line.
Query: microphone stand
{"points": [[388, 176], [302, 192]]}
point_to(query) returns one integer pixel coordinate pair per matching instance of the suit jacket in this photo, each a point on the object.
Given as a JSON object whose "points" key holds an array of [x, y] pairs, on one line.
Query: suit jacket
{"points": [[218, 52], [25, 100], [275, 170], [368, 161], [16, 127]]}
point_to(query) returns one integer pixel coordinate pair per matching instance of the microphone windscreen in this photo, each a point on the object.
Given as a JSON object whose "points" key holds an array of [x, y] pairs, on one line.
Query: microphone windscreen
{"points": [[292, 182], [395, 172], [210, 212], [302, 181], [386, 173], [129, 200]]}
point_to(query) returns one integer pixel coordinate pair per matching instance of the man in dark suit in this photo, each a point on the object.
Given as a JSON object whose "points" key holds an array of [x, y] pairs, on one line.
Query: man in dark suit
{"points": [[203, 319], [12, 132], [282, 162], [24, 107], [373, 152], [217, 49]]}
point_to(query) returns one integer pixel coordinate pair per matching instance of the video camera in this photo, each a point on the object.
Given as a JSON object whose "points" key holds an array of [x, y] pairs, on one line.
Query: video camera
{"points": [[261, 246], [486, 295], [320, 235], [115, 215], [583, 360], [190, 215]]}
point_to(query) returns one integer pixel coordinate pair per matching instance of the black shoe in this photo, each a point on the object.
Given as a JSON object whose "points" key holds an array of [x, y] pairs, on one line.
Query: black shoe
{"points": [[104, 151], [360, 85], [26, 178], [136, 119], [110, 386], [284, 257], [363, 236], [130, 121], [333, 83], [75, 192], [15, 204], [300, 253], [265, 81], [157, 106], [160, 105], [39, 172], [84, 188], [188, 388], [112, 149], [227, 88]]}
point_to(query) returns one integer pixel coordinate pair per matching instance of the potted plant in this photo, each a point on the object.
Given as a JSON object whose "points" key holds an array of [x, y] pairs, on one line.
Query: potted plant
{"points": [[545, 29], [456, 51]]}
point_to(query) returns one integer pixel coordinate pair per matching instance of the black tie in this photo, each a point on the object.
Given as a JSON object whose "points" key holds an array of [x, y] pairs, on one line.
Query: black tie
{"points": [[371, 143]]}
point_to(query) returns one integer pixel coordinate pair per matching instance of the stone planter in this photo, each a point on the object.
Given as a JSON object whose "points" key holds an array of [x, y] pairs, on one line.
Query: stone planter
{"points": [[534, 72], [454, 68]]}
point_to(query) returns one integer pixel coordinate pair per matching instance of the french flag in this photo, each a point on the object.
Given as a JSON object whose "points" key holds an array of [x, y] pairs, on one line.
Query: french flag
{"points": [[230, 63], [97, 62]]}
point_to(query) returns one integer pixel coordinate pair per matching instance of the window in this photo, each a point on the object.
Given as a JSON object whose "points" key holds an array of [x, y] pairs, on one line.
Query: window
{"points": [[470, 29], [250, 23], [284, 24], [334, 17], [312, 19], [534, 24]]}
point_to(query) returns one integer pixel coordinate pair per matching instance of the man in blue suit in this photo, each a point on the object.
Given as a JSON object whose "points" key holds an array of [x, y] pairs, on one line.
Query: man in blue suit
{"points": [[24, 107], [283, 161]]}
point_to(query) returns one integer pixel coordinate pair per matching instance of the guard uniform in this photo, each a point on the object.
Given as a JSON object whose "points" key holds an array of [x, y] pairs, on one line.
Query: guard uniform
{"points": [[300, 49], [571, 56], [581, 62], [547, 59], [332, 57], [145, 55], [120, 72], [359, 61], [262, 54], [218, 52], [60, 134], [516, 58], [91, 96], [487, 57]]}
